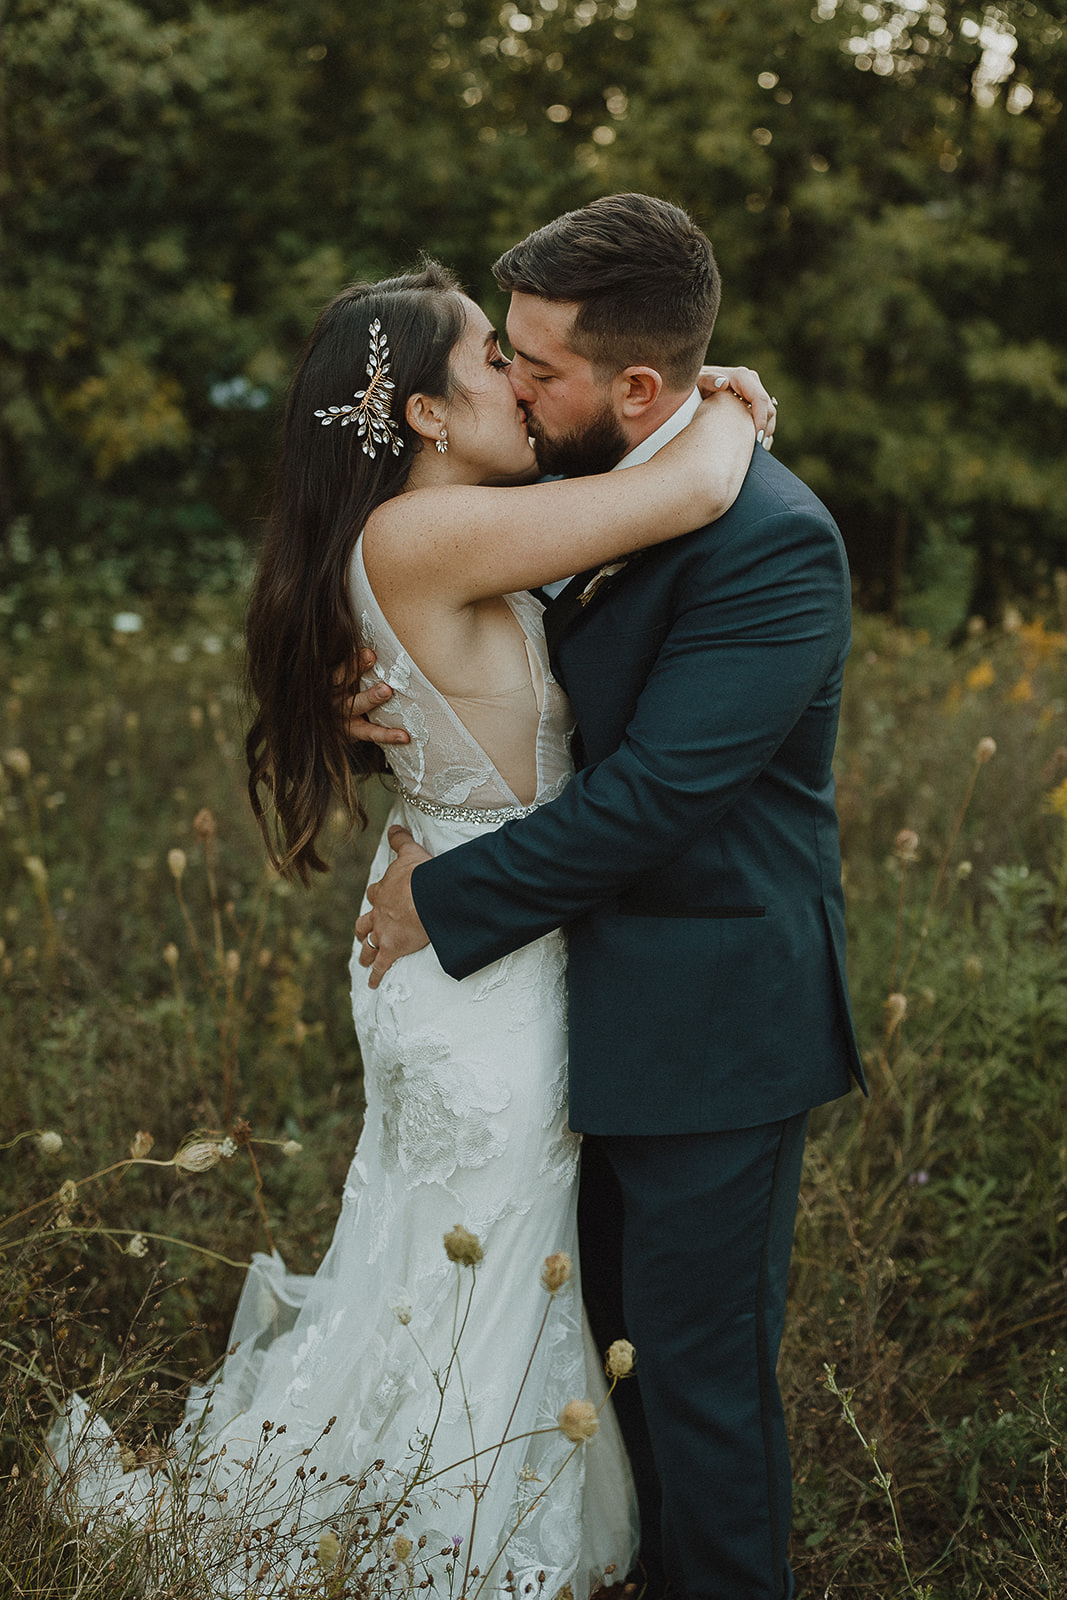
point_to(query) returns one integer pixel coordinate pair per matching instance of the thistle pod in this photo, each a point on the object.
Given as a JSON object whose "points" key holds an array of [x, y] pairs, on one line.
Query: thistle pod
{"points": [[556, 1271], [49, 1142], [402, 1548], [197, 1155], [463, 1247], [36, 869], [896, 1009], [170, 951], [329, 1551], [578, 1421], [619, 1361], [985, 750], [906, 848], [204, 825], [141, 1144], [176, 861], [19, 762]]}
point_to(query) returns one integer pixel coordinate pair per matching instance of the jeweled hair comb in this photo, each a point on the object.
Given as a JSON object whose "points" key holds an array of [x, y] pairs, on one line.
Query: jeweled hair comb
{"points": [[371, 411]]}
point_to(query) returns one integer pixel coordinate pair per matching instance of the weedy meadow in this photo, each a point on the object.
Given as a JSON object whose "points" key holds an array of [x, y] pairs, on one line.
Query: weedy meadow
{"points": [[181, 1087]]}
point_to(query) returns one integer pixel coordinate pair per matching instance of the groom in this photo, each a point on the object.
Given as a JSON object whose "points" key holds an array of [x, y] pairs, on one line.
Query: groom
{"points": [[694, 863]]}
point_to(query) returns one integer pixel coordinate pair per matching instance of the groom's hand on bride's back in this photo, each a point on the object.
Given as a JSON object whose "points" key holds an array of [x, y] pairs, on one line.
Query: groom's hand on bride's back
{"points": [[392, 928], [354, 706]]}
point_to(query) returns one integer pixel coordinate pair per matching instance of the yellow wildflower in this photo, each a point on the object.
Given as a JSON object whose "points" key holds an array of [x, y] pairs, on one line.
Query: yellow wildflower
{"points": [[982, 675]]}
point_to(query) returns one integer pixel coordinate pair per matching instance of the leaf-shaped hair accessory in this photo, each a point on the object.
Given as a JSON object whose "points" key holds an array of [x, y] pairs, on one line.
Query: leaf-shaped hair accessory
{"points": [[371, 411]]}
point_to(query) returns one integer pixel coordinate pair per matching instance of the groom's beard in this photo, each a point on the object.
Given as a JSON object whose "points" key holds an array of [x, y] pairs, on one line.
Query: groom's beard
{"points": [[596, 447]]}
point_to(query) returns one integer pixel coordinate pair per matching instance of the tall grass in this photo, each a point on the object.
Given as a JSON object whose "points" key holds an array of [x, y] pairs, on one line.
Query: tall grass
{"points": [[158, 990]]}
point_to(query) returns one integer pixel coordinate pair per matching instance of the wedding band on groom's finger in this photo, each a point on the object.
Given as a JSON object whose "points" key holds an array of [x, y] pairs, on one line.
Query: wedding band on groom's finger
{"points": [[371, 942]]}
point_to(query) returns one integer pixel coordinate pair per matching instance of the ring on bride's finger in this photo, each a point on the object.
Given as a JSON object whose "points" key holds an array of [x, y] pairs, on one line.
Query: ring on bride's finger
{"points": [[774, 401]]}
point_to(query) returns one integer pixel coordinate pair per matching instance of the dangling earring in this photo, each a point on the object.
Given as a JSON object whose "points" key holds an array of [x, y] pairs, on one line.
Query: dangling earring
{"points": [[442, 443]]}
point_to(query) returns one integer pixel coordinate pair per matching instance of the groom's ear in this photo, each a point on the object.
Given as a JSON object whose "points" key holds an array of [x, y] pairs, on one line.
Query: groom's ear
{"points": [[637, 389]]}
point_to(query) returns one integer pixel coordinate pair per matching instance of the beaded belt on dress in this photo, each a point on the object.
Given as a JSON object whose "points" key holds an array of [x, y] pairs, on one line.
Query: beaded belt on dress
{"points": [[462, 813]]}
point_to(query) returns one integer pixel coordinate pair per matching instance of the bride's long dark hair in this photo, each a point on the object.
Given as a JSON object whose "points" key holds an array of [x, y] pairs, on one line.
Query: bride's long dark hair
{"points": [[301, 633]]}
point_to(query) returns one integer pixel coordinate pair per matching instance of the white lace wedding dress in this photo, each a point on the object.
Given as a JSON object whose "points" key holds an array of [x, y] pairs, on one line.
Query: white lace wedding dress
{"points": [[365, 1363]]}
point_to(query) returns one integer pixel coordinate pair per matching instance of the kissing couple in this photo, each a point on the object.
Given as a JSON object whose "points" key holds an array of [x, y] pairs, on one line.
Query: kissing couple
{"points": [[606, 927]]}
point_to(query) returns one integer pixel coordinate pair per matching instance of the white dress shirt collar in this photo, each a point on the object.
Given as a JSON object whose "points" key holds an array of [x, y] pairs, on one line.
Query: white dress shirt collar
{"points": [[664, 433]]}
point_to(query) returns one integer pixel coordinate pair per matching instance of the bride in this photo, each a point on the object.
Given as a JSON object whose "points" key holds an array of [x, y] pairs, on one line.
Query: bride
{"points": [[413, 1400]]}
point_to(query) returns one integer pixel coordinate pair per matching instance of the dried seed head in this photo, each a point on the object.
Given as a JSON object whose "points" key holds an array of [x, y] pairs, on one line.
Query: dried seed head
{"points": [[556, 1271], [896, 1008], [197, 1155], [578, 1421], [402, 1548], [204, 825], [291, 1147], [463, 1247], [49, 1143], [63, 1220], [329, 1552], [231, 964], [228, 1148], [18, 761], [36, 869], [141, 1144], [619, 1361], [985, 750], [68, 1194], [907, 845], [402, 1312], [138, 1246], [964, 870], [176, 862], [973, 968], [170, 951]]}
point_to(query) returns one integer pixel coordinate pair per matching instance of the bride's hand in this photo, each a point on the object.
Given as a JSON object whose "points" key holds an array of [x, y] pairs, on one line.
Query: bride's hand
{"points": [[392, 929], [746, 383]]}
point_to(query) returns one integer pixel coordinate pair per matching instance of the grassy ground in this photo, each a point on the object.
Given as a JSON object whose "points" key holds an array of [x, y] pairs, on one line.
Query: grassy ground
{"points": [[156, 984]]}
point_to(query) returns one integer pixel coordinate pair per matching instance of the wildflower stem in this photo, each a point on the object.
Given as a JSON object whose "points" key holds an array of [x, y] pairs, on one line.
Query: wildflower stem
{"points": [[942, 869], [881, 1478], [259, 1195], [162, 1238], [518, 1396], [900, 928]]}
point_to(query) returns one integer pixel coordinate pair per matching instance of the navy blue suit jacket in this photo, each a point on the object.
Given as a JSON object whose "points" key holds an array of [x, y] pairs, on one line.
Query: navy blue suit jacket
{"points": [[694, 859]]}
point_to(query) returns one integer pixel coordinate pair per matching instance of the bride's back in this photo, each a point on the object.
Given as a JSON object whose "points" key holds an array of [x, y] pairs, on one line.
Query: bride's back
{"points": [[489, 729]]}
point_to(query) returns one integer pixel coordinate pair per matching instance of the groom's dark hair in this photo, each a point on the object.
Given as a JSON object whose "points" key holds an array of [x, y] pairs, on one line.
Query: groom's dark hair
{"points": [[642, 274]]}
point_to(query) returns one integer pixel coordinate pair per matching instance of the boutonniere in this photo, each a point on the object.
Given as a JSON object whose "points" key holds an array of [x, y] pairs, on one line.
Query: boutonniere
{"points": [[607, 571]]}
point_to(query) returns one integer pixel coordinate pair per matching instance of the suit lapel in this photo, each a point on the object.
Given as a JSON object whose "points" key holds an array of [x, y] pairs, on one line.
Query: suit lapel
{"points": [[562, 611], [582, 592]]}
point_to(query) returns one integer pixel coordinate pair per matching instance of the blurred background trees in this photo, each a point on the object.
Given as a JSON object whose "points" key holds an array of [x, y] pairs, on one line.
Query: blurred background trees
{"points": [[183, 183]]}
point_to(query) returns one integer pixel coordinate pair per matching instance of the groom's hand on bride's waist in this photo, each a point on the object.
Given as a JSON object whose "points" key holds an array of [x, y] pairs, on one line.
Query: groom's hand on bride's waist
{"points": [[392, 928], [355, 705]]}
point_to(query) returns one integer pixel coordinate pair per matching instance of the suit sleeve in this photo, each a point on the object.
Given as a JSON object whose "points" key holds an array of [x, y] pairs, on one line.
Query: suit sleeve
{"points": [[762, 626]]}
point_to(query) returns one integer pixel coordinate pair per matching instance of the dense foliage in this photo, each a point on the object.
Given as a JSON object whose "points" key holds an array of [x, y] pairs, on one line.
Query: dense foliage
{"points": [[183, 183]]}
